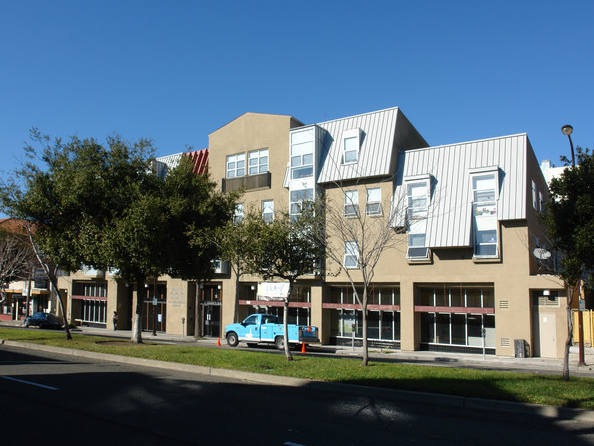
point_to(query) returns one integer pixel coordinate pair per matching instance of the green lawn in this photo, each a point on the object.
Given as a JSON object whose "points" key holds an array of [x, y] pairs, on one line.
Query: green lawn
{"points": [[550, 390]]}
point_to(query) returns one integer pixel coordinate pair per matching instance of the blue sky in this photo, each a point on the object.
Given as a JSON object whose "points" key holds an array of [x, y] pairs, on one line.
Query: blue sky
{"points": [[175, 71]]}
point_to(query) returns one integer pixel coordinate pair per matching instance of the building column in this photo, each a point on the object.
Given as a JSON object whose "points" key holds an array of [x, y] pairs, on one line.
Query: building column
{"points": [[409, 322]]}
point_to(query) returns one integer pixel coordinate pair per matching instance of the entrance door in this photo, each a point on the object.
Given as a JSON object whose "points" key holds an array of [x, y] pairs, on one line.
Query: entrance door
{"points": [[211, 320], [546, 333]]}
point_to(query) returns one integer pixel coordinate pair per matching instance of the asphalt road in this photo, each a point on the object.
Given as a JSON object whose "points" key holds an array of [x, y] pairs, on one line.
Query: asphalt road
{"points": [[57, 399]]}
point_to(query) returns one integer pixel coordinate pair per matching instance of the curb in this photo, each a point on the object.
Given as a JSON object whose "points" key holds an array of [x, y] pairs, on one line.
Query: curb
{"points": [[460, 402]]}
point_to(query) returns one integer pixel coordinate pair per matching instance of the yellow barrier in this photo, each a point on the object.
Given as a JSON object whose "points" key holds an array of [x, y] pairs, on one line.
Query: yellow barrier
{"points": [[588, 319]]}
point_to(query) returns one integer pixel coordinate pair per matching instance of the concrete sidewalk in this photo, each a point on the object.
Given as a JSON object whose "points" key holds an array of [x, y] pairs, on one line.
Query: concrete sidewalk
{"points": [[545, 366]]}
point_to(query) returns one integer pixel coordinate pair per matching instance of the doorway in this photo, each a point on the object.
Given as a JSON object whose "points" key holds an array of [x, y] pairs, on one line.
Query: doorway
{"points": [[210, 309], [211, 319]]}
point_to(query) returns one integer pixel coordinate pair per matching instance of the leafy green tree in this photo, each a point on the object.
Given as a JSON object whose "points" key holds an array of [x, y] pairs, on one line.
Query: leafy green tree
{"points": [[236, 242], [104, 206], [570, 226], [281, 250]]}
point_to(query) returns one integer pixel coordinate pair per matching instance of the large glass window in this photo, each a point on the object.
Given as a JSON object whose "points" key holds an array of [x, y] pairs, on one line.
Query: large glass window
{"points": [[297, 197], [302, 160], [485, 215], [258, 161], [351, 203], [236, 165]]}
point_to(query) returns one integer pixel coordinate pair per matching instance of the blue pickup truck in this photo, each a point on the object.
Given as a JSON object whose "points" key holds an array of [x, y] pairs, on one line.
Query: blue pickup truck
{"points": [[265, 328]]}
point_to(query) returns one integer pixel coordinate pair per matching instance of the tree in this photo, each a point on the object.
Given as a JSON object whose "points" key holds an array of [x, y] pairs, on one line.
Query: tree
{"points": [[281, 250], [236, 243], [569, 221], [354, 241], [104, 206], [16, 259]]}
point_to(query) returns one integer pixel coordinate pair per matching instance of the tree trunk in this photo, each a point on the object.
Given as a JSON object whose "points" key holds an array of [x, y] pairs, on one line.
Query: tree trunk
{"points": [[137, 321], [365, 352], [197, 333], [286, 322], [569, 339], [52, 277]]}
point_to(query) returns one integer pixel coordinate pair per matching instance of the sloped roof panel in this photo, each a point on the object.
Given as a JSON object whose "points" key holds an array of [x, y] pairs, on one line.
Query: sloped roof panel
{"points": [[450, 167], [376, 147]]}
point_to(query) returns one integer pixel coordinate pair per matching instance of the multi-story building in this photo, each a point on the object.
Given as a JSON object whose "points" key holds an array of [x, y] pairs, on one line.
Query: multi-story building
{"points": [[465, 217]]}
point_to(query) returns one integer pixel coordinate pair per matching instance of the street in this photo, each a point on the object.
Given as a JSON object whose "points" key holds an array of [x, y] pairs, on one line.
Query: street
{"points": [[50, 399]]}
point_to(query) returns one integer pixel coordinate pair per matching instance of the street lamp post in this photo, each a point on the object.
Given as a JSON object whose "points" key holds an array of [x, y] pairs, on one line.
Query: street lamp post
{"points": [[568, 130]]}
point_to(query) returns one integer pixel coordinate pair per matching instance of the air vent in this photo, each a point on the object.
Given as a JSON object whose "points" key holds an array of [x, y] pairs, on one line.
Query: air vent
{"points": [[505, 342], [504, 304]]}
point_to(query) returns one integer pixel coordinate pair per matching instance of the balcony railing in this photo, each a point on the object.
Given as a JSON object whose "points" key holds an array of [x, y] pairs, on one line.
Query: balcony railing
{"points": [[249, 182]]}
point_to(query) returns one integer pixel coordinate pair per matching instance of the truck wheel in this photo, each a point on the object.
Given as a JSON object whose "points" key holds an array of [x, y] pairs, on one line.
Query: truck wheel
{"points": [[232, 339], [280, 343]]}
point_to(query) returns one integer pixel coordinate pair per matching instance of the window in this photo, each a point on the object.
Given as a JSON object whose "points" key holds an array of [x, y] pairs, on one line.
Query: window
{"points": [[268, 211], [351, 255], [301, 160], [236, 165], [258, 162], [238, 214], [485, 215], [374, 201], [297, 197], [534, 196], [351, 203], [417, 209], [350, 146]]}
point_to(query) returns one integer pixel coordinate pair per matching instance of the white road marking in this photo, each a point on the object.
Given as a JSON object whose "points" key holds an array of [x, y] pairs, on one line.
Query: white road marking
{"points": [[28, 382]]}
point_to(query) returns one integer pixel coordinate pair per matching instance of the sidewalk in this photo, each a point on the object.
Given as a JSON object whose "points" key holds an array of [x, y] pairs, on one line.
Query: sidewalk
{"points": [[548, 366], [545, 366]]}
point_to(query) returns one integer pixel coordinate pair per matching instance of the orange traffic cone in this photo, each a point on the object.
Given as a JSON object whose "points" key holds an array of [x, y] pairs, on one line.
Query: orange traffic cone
{"points": [[303, 348], [218, 342]]}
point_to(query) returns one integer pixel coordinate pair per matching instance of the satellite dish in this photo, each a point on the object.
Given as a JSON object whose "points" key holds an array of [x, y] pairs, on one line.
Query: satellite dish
{"points": [[541, 254]]}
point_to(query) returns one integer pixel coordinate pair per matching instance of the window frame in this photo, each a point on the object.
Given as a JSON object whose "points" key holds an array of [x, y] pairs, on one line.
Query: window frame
{"points": [[258, 165], [238, 213], [485, 222], [350, 135], [377, 202], [235, 159], [351, 203], [351, 250], [268, 205], [417, 217]]}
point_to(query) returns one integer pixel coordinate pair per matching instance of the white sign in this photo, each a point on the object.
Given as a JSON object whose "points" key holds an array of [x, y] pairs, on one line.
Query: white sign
{"points": [[273, 290]]}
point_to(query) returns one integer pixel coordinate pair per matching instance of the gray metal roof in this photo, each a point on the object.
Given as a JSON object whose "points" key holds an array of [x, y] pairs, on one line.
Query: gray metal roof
{"points": [[450, 166], [383, 133]]}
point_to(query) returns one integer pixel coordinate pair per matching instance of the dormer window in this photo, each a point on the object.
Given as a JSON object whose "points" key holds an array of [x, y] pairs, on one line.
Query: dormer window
{"points": [[351, 142], [417, 195], [484, 211]]}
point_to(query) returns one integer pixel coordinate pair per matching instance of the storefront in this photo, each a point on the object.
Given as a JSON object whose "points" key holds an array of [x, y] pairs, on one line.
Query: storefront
{"points": [[383, 316], [457, 317]]}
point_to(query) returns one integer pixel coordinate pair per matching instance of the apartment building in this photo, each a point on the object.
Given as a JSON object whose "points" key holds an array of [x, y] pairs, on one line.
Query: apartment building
{"points": [[466, 215], [462, 277]]}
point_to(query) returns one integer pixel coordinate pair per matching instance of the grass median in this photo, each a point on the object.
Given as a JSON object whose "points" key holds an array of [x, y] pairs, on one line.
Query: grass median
{"points": [[490, 384]]}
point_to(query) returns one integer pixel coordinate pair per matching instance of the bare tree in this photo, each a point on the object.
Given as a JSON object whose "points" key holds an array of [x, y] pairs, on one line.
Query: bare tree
{"points": [[16, 260], [354, 239]]}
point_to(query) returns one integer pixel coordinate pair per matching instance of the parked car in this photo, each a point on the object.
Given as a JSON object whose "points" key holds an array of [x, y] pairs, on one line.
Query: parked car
{"points": [[43, 320]]}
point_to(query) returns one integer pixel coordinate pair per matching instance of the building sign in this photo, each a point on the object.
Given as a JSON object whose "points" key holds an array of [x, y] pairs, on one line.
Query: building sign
{"points": [[273, 290]]}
